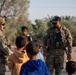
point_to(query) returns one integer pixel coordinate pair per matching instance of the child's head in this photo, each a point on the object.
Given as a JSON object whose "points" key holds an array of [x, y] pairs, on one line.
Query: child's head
{"points": [[32, 48], [71, 67], [20, 41], [39, 43], [24, 30]]}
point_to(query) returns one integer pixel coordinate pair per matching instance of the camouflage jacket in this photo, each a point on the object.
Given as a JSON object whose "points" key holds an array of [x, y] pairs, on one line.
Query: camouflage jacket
{"points": [[64, 39], [4, 52]]}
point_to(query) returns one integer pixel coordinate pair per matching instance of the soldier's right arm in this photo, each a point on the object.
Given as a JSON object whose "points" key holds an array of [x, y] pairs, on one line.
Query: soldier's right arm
{"points": [[45, 39]]}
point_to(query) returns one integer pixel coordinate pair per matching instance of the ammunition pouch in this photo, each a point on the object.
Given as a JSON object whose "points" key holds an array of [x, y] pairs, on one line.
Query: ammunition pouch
{"points": [[56, 45]]}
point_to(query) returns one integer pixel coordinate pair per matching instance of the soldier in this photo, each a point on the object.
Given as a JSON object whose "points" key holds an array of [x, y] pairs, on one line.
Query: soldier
{"points": [[4, 52], [56, 40]]}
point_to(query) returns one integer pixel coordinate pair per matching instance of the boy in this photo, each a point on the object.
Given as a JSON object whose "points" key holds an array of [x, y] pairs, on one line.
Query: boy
{"points": [[19, 56], [24, 30], [40, 53], [33, 66], [71, 67]]}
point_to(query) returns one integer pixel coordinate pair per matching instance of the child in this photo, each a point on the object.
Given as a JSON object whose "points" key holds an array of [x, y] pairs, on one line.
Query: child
{"points": [[71, 67], [40, 53], [19, 56], [24, 30], [33, 66]]}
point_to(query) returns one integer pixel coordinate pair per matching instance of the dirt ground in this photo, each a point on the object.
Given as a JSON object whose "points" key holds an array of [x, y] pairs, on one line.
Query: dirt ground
{"points": [[73, 55]]}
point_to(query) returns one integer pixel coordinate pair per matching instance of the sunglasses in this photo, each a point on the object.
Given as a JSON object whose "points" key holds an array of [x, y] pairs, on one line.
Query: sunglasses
{"points": [[3, 24], [54, 23]]}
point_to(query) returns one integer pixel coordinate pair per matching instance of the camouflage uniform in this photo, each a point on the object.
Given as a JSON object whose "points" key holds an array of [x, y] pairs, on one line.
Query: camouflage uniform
{"points": [[56, 41], [4, 52]]}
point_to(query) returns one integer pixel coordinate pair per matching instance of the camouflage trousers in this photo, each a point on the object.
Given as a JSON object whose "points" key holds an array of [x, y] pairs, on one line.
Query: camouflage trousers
{"points": [[2, 66], [55, 60], [2, 74]]}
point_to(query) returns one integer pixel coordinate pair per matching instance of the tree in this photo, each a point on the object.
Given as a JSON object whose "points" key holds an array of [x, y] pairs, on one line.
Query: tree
{"points": [[39, 28], [16, 14], [16, 9]]}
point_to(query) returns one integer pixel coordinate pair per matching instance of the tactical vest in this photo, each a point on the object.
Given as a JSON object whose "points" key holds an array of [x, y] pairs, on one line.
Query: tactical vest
{"points": [[57, 38]]}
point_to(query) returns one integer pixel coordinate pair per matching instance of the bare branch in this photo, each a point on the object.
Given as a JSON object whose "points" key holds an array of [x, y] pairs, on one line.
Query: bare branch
{"points": [[2, 5]]}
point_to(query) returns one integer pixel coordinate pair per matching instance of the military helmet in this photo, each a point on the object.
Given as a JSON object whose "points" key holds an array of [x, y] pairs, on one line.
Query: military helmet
{"points": [[2, 21]]}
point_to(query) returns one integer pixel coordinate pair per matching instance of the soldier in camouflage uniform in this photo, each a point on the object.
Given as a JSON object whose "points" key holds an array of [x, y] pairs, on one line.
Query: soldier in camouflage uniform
{"points": [[4, 52], [56, 40]]}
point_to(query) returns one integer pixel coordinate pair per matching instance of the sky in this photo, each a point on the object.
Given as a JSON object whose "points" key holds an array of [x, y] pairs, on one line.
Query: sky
{"points": [[40, 9]]}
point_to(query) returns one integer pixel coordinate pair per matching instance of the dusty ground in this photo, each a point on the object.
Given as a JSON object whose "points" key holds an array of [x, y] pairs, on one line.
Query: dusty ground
{"points": [[73, 54]]}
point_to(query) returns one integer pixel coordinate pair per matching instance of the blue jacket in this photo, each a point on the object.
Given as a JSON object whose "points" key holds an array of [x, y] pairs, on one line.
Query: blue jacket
{"points": [[34, 67]]}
